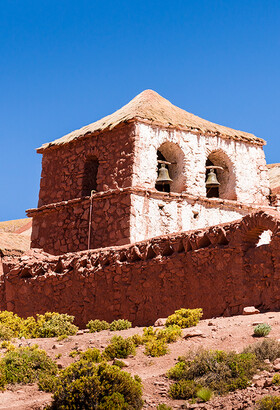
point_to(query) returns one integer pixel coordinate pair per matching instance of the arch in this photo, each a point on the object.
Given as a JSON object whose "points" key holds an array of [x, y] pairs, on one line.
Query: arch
{"points": [[171, 152], [254, 225], [226, 176], [90, 175]]}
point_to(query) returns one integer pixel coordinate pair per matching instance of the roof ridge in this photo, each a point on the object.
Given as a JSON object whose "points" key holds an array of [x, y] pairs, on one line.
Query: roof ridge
{"points": [[150, 106]]}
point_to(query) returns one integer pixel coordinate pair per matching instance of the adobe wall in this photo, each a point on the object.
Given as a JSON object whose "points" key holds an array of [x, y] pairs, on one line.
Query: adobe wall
{"points": [[63, 167], [218, 269], [244, 177], [64, 227]]}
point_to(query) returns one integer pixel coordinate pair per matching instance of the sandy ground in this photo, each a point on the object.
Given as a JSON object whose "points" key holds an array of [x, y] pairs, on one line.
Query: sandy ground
{"points": [[232, 333]]}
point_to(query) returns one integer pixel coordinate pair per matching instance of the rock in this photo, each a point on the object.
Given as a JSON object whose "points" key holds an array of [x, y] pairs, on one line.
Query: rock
{"points": [[211, 324], [192, 333], [276, 361], [80, 332], [160, 322], [276, 367], [59, 365], [86, 330], [267, 361], [268, 382], [250, 310]]}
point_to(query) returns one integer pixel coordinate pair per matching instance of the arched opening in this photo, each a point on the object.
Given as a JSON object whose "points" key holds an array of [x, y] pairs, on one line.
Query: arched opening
{"points": [[265, 238], [224, 174], [173, 154], [90, 176]]}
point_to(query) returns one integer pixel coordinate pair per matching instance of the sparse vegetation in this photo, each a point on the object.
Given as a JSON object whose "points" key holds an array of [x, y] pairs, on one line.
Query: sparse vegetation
{"points": [[47, 325], [265, 349], [276, 379], [262, 330], [269, 403], [85, 385], [204, 394], [156, 348], [120, 324], [26, 365], [120, 348], [184, 318], [215, 370], [163, 406], [97, 325]]}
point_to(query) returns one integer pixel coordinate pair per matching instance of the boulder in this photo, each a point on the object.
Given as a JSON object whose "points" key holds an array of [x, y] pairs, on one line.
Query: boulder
{"points": [[250, 310]]}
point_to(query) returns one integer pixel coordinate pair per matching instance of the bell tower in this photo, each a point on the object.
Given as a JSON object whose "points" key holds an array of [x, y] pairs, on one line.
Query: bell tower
{"points": [[148, 169]]}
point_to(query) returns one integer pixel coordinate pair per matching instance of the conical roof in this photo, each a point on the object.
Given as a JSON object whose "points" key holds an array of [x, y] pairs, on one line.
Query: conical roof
{"points": [[152, 108]]}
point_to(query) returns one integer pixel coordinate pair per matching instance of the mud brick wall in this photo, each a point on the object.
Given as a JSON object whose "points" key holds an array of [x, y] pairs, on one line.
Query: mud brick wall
{"points": [[219, 269], [64, 227], [63, 169]]}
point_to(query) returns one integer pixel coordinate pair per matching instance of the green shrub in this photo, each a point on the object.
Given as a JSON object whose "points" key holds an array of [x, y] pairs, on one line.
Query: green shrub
{"points": [[47, 382], [262, 330], [119, 363], [156, 348], [5, 333], [26, 365], [120, 324], [120, 348], [84, 385], [276, 379], [97, 325], [137, 339], [163, 406], [184, 389], [170, 334], [92, 355], [269, 403], [47, 325], [204, 394], [265, 349], [184, 318], [55, 324], [216, 370], [62, 337]]}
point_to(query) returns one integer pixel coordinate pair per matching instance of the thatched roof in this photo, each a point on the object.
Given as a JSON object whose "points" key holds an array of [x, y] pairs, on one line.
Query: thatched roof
{"points": [[151, 108]]}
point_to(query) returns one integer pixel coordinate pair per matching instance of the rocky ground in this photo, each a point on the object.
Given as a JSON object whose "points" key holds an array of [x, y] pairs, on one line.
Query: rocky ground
{"points": [[232, 333]]}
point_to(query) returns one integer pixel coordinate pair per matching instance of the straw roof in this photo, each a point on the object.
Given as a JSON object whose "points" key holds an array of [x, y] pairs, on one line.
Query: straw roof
{"points": [[151, 108]]}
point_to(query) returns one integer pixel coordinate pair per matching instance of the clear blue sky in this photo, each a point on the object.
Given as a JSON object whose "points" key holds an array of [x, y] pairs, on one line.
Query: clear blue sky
{"points": [[67, 63]]}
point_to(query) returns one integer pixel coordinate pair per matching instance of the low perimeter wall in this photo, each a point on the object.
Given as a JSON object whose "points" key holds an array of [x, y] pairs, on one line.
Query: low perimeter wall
{"points": [[219, 269]]}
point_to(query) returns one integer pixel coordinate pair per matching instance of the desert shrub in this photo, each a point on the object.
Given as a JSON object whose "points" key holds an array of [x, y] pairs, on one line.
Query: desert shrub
{"points": [[262, 330], [170, 334], [62, 337], [120, 324], [47, 325], [5, 333], [184, 318], [92, 355], [265, 349], [156, 348], [73, 353], [26, 365], [204, 394], [137, 339], [120, 348], [55, 324], [84, 385], [97, 325], [163, 406], [47, 382], [184, 389], [269, 403], [119, 363], [276, 379], [216, 370]]}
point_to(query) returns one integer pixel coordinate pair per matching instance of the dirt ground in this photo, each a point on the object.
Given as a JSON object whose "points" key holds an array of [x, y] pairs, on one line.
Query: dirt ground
{"points": [[233, 333]]}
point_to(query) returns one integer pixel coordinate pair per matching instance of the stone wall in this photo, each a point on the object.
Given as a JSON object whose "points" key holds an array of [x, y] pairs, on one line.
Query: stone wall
{"points": [[219, 269], [63, 169], [64, 227], [124, 216], [244, 177]]}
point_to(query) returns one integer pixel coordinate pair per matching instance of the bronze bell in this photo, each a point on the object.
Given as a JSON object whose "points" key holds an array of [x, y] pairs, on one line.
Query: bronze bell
{"points": [[163, 176], [212, 181]]}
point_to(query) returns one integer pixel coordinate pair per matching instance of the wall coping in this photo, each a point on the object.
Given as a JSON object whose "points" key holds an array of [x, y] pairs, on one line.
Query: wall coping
{"points": [[153, 193]]}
